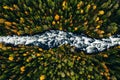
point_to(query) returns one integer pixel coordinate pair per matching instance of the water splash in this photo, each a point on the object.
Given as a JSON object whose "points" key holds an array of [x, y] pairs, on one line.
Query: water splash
{"points": [[55, 38]]}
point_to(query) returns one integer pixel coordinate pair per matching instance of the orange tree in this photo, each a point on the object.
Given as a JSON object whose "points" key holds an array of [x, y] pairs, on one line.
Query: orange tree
{"points": [[96, 18]]}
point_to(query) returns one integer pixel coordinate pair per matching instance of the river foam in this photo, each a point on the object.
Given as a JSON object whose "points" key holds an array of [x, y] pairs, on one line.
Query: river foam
{"points": [[56, 38]]}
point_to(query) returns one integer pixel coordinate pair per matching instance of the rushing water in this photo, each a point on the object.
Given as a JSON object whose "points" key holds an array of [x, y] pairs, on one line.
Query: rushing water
{"points": [[55, 38]]}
